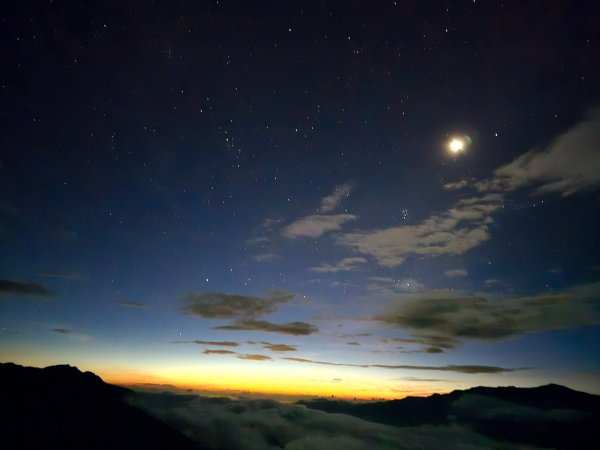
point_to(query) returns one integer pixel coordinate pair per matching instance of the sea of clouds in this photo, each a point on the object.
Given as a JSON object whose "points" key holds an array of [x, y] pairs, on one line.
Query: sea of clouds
{"points": [[253, 424]]}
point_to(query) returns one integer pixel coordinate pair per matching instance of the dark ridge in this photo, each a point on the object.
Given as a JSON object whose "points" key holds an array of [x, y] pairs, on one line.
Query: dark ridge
{"points": [[549, 396], [548, 416], [60, 407]]}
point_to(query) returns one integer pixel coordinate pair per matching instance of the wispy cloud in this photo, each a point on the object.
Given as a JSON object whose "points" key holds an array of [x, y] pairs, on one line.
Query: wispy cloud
{"points": [[266, 257], [427, 380], [219, 352], [131, 304], [73, 334], [426, 350], [62, 330], [345, 265], [446, 316], [270, 223], [245, 311], [258, 240], [219, 305], [316, 225], [255, 357], [453, 273], [385, 287], [332, 201], [62, 275], [432, 343], [17, 288], [291, 328], [453, 232], [456, 186], [212, 343], [408, 285], [470, 369], [279, 347], [250, 357], [569, 165]]}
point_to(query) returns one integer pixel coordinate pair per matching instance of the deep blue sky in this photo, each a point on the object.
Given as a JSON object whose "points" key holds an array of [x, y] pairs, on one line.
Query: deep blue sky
{"points": [[282, 170]]}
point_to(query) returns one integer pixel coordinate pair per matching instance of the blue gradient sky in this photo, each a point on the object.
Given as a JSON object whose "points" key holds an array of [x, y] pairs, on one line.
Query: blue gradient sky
{"points": [[168, 169]]}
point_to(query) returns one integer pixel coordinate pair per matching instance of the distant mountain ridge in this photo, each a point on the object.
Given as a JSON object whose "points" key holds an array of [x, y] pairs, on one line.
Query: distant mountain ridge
{"points": [[551, 416], [60, 407]]}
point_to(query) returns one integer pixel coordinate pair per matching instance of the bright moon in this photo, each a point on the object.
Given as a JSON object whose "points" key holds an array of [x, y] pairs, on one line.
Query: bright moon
{"points": [[458, 145]]}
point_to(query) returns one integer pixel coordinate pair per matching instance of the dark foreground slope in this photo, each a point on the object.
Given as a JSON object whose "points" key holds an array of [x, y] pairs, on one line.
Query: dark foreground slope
{"points": [[60, 407], [547, 416]]}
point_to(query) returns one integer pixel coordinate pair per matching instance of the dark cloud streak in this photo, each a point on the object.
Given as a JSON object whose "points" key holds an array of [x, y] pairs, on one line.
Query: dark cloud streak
{"points": [[16, 288], [255, 357], [442, 318], [291, 328], [468, 369], [131, 304], [219, 305], [215, 343], [209, 351], [279, 347], [62, 330]]}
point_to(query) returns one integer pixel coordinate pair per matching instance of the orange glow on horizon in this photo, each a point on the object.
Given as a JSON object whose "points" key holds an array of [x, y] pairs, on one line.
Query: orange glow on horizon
{"points": [[271, 386], [233, 378]]}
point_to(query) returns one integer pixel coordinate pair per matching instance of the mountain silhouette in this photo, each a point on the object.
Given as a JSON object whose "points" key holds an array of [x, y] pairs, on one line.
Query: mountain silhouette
{"points": [[551, 416], [60, 407]]}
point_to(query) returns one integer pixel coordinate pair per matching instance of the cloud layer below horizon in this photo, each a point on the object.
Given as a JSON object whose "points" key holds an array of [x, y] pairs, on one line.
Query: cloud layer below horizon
{"points": [[220, 423]]}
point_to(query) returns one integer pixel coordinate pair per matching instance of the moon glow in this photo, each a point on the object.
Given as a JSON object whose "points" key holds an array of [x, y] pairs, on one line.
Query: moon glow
{"points": [[458, 144]]}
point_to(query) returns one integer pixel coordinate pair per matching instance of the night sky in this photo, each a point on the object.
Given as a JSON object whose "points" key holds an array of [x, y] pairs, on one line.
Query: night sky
{"points": [[366, 199]]}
